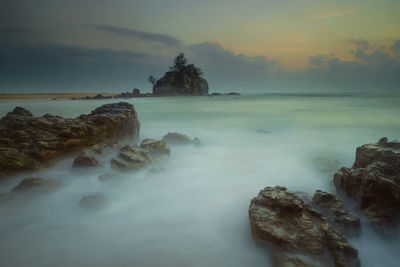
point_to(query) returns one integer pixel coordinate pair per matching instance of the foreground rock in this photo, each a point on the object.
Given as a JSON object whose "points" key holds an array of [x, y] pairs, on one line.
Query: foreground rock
{"points": [[186, 81], [333, 209], [374, 182], [36, 141], [299, 235], [131, 158], [32, 187], [85, 160], [179, 139], [157, 148]]}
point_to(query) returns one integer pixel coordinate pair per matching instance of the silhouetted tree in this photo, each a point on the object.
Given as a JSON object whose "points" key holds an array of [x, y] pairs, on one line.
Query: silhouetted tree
{"points": [[180, 62], [199, 71], [152, 80]]}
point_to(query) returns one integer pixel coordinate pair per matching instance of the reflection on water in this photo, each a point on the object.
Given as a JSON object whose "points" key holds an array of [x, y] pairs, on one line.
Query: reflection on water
{"points": [[194, 211]]}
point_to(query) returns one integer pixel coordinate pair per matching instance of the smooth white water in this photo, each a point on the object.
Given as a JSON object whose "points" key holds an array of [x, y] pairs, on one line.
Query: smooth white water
{"points": [[194, 213]]}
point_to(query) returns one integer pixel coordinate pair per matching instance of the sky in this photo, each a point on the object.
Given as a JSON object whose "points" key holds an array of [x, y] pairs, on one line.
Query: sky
{"points": [[246, 46]]}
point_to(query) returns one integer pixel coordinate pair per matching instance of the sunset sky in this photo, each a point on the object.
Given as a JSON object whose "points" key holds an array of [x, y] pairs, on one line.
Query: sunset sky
{"points": [[266, 42]]}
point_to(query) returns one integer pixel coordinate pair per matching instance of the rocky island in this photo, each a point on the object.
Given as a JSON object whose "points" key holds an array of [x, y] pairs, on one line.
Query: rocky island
{"points": [[182, 79]]}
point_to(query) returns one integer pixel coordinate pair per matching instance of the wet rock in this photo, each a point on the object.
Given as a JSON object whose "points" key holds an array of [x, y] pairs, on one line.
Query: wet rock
{"points": [[280, 218], [36, 141], [85, 160], [157, 148], [374, 183], [179, 139], [131, 158], [20, 111], [332, 207], [93, 202]]}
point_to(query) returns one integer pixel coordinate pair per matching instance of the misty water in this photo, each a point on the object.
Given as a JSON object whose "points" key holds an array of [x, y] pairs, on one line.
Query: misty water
{"points": [[195, 211]]}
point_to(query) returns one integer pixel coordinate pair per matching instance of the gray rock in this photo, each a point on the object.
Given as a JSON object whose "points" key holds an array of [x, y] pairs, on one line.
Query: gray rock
{"points": [[332, 207], [280, 218], [374, 183]]}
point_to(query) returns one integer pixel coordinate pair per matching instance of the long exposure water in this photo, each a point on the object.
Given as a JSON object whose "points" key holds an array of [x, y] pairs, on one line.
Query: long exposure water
{"points": [[195, 211]]}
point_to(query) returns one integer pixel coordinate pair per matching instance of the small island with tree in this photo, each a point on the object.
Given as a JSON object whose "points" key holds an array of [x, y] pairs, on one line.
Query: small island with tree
{"points": [[182, 79]]}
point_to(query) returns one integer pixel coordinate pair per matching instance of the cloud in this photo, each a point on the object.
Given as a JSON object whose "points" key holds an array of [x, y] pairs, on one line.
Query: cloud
{"points": [[143, 36], [54, 68], [229, 71]]}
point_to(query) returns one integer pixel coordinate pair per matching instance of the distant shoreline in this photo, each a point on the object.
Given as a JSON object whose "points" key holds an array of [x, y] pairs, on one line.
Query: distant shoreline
{"points": [[49, 95]]}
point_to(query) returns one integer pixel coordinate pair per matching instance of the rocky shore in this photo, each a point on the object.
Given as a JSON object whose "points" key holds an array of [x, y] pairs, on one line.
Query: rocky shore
{"points": [[312, 231], [28, 142]]}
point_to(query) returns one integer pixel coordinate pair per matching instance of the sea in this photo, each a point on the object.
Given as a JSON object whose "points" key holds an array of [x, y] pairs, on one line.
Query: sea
{"points": [[194, 210]]}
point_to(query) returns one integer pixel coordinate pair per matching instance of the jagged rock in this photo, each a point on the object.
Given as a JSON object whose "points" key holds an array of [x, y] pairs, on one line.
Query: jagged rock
{"points": [[280, 218], [85, 160], [179, 139], [20, 111], [131, 158], [187, 81], [93, 202], [157, 148], [332, 207], [36, 141], [374, 182]]}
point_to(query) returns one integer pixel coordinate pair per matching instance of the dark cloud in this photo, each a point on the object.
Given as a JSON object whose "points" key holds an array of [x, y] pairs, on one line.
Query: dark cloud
{"points": [[226, 70], [53, 68], [70, 68], [143, 36]]}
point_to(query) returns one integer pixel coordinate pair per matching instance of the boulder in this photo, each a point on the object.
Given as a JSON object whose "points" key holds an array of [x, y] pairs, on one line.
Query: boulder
{"points": [[36, 141], [85, 160], [131, 158], [157, 148], [179, 139], [186, 81], [374, 182], [281, 219], [333, 209]]}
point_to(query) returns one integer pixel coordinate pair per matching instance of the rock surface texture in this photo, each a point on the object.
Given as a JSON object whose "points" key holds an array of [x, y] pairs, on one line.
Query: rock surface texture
{"points": [[298, 234], [333, 209], [179, 139], [131, 158], [374, 182], [187, 81], [28, 142]]}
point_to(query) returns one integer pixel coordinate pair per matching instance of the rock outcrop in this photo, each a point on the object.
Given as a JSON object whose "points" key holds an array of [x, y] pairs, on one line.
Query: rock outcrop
{"points": [[333, 209], [131, 158], [28, 142], [298, 234], [374, 182], [157, 148], [186, 81], [179, 139]]}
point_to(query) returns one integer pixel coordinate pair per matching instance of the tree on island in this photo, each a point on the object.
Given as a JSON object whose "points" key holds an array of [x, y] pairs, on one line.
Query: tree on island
{"points": [[180, 62], [152, 80]]}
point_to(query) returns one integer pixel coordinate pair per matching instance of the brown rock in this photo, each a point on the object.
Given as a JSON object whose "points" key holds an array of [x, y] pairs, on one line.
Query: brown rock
{"points": [[179, 139], [156, 147], [131, 158], [280, 218], [36, 141], [332, 207], [374, 183], [84, 160]]}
